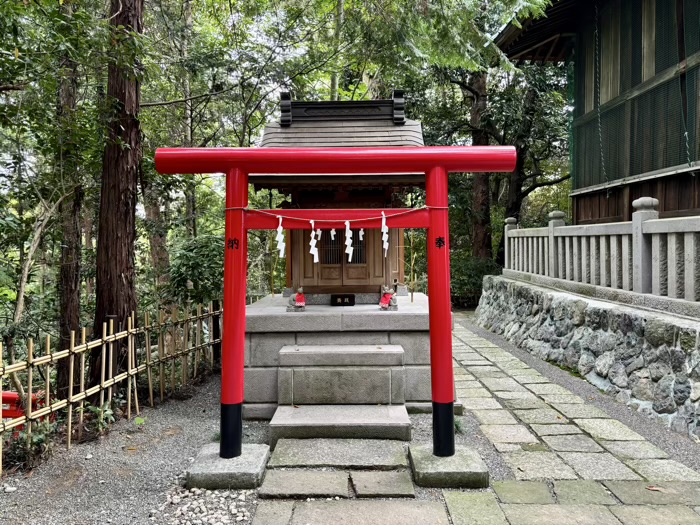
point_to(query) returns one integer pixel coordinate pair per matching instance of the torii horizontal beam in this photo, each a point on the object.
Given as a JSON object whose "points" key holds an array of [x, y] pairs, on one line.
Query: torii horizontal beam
{"points": [[336, 161]]}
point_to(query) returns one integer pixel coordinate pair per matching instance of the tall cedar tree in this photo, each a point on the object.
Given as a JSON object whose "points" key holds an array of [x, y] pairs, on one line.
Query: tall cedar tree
{"points": [[67, 159], [115, 283]]}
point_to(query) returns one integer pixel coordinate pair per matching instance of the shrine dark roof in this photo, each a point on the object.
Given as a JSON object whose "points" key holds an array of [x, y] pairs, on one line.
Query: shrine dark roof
{"points": [[546, 39], [347, 124]]}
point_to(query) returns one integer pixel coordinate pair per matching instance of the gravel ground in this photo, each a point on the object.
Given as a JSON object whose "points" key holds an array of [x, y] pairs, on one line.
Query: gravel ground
{"points": [[678, 446], [132, 475]]}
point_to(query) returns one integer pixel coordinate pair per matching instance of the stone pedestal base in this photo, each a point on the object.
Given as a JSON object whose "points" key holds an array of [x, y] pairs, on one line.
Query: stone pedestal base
{"points": [[209, 471], [465, 469]]}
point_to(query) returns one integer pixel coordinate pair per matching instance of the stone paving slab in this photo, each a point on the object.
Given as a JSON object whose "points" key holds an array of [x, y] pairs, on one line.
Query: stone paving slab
{"points": [[562, 398], [582, 493], [464, 469], [383, 484], [304, 484], [634, 449], [473, 508], [377, 454], [609, 429], [572, 443], [529, 379], [502, 385], [465, 384], [572, 411], [538, 465], [508, 434], [661, 493], [540, 416], [369, 512], [534, 492], [548, 388], [507, 447], [494, 417], [555, 430], [473, 392], [650, 515], [598, 466], [273, 513], [663, 470], [559, 515], [481, 403], [516, 395], [520, 404]]}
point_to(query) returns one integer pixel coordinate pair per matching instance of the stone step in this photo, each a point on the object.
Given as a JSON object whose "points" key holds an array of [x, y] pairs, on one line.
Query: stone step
{"points": [[342, 355], [341, 375], [302, 484], [351, 454], [340, 421]]}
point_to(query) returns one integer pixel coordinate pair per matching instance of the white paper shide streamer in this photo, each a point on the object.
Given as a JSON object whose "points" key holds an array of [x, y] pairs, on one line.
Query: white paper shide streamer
{"points": [[333, 234], [361, 235], [280, 239], [385, 235], [348, 241], [312, 243]]}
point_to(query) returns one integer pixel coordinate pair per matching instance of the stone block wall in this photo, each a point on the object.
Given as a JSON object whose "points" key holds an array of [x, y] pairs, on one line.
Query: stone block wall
{"points": [[647, 359]]}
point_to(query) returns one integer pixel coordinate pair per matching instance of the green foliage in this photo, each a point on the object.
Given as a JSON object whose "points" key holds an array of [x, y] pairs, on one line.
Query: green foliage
{"points": [[26, 450], [197, 269], [467, 274]]}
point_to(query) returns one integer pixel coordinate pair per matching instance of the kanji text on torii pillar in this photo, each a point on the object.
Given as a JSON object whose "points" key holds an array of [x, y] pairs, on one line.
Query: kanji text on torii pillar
{"points": [[238, 163]]}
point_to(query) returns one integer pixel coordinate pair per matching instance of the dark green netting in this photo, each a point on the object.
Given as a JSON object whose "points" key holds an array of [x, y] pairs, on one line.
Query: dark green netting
{"points": [[640, 130]]}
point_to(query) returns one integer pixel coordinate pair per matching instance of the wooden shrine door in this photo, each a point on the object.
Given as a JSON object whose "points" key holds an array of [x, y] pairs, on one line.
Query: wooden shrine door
{"points": [[366, 270]]}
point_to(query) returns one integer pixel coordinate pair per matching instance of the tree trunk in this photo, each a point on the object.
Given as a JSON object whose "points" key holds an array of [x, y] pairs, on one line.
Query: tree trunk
{"points": [[335, 74], [481, 207], [67, 159], [190, 187], [157, 234], [115, 283]]}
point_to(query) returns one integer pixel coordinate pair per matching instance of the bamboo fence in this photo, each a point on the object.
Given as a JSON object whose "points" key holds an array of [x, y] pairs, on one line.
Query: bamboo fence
{"points": [[169, 351]]}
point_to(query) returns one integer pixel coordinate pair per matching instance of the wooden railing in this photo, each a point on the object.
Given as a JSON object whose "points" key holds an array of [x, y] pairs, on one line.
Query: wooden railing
{"points": [[647, 255], [169, 352]]}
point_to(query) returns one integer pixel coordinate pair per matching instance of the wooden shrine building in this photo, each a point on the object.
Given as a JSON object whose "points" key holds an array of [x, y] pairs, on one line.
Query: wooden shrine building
{"points": [[349, 124], [635, 89]]}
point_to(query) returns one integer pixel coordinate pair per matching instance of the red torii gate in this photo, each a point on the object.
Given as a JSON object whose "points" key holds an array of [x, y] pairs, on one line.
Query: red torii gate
{"points": [[237, 163]]}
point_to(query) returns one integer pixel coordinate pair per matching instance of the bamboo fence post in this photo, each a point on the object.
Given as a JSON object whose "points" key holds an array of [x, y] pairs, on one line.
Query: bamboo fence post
{"points": [[128, 369], [2, 424], [102, 370], [161, 356], [149, 372], [173, 348], [47, 394], [83, 340], [210, 346], [71, 365], [110, 362], [198, 339], [184, 361], [30, 384], [133, 339]]}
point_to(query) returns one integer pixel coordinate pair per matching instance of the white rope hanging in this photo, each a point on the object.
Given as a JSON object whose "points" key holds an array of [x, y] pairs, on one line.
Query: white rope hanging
{"points": [[312, 243], [385, 235], [348, 241], [281, 246]]}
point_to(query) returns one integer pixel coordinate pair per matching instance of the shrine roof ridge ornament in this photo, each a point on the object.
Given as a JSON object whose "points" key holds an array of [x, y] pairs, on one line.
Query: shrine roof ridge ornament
{"points": [[339, 161], [392, 109]]}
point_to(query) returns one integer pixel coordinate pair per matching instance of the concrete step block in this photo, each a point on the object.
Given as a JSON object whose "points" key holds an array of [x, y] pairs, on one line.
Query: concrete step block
{"points": [[341, 355], [340, 421], [366, 454]]}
